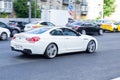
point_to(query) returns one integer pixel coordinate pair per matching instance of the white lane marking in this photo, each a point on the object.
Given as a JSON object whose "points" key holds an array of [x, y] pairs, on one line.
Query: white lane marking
{"points": [[118, 78]]}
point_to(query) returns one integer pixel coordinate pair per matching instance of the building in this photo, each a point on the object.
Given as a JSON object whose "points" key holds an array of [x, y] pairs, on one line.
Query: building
{"points": [[50, 4], [85, 9], [6, 6], [95, 9], [79, 8]]}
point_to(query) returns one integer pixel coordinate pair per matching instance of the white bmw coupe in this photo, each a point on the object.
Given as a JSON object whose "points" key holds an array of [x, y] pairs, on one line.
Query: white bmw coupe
{"points": [[50, 41]]}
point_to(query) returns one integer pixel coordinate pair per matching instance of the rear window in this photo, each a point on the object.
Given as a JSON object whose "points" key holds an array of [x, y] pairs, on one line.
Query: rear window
{"points": [[38, 31], [11, 23]]}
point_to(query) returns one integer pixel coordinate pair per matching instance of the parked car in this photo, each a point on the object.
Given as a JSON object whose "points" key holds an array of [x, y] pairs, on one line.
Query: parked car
{"points": [[4, 33], [37, 24], [13, 30], [50, 41], [20, 24], [109, 27], [86, 27], [118, 26]]}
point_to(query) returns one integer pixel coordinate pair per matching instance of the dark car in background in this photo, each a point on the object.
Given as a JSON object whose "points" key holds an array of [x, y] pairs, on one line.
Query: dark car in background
{"points": [[20, 24], [13, 30], [86, 27]]}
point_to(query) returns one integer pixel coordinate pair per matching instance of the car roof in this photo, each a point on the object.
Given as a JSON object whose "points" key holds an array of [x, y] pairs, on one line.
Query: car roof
{"points": [[17, 21]]}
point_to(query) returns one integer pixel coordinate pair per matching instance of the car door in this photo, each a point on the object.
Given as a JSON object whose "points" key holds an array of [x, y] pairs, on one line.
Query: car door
{"points": [[74, 42], [59, 39], [2, 25]]}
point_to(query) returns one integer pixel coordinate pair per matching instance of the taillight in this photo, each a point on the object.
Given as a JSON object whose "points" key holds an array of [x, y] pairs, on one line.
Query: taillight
{"points": [[33, 39], [13, 24], [13, 37], [34, 26], [76, 27]]}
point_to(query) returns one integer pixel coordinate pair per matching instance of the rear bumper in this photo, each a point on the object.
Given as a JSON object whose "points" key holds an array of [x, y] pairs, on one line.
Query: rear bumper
{"points": [[36, 48], [27, 51]]}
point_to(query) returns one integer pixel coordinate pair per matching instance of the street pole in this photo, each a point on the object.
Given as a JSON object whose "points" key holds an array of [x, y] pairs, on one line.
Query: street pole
{"points": [[75, 9], [35, 8], [71, 7], [29, 5]]}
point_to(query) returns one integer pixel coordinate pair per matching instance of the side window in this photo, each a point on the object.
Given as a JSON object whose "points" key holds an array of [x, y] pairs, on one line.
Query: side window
{"points": [[19, 23], [50, 24], [57, 32], [90, 25], [2, 25], [43, 23], [83, 25], [69, 32]]}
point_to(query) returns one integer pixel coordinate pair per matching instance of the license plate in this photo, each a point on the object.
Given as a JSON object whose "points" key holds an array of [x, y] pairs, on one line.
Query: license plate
{"points": [[18, 46]]}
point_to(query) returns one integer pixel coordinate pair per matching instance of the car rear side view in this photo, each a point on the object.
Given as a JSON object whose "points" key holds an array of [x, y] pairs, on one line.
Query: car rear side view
{"points": [[50, 41]]}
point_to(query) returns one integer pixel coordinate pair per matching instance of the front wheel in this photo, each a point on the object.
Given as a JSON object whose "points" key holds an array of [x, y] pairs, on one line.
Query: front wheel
{"points": [[14, 32], [4, 36], [51, 51], [91, 47]]}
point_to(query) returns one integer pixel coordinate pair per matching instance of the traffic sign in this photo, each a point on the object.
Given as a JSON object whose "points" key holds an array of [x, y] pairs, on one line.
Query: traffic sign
{"points": [[71, 13], [70, 7]]}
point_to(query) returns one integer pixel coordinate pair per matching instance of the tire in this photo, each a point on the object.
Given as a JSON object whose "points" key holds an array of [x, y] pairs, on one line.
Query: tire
{"points": [[14, 32], [83, 32], [100, 32], [91, 47], [51, 51], [4, 36], [114, 30], [25, 54]]}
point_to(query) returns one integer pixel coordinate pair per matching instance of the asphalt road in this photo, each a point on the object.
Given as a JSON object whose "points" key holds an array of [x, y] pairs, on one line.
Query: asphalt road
{"points": [[102, 65]]}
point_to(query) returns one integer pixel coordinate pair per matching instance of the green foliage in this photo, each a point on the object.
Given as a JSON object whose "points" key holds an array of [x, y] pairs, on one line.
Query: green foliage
{"points": [[3, 15], [77, 1], [98, 18], [21, 9], [109, 7]]}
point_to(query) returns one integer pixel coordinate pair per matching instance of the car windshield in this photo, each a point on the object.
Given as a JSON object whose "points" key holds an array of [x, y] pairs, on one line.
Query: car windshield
{"points": [[11, 23], [39, 31], [36, 22]]}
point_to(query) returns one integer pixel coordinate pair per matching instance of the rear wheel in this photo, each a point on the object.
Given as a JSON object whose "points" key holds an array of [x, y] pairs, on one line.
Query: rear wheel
{"points": [[115, 30], [51, 51], [83, 32], [14, 32], [4, 36], [91, 47], [100, 32]]}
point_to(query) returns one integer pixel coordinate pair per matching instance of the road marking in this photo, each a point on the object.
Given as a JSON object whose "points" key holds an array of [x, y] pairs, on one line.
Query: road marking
{"points": [[118, 78]]}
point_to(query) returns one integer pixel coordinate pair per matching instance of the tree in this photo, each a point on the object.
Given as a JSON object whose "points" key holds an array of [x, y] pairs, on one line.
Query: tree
{"points": [[21, 9], [108, 7]]}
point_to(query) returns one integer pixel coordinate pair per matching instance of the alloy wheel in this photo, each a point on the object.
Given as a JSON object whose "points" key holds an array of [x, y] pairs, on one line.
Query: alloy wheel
{"points": [[91, 46], [51, 51]]}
